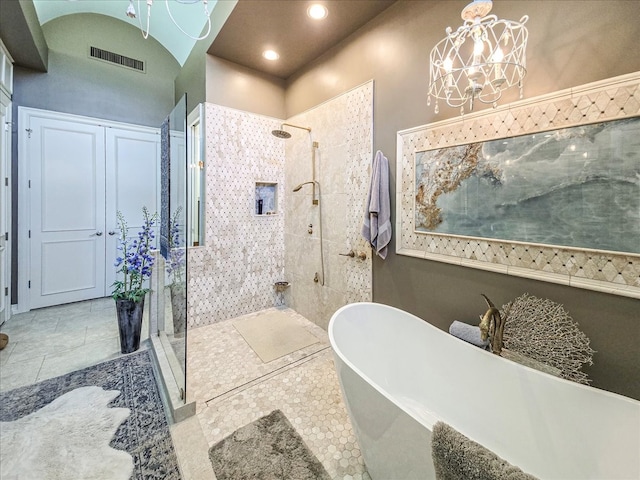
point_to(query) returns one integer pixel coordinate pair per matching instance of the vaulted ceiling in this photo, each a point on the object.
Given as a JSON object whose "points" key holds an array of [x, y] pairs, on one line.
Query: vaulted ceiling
{"points": [[250, 28], [189, 15]]}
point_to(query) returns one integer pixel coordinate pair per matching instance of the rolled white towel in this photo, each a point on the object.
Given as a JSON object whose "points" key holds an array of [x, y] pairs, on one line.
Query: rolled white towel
{"points": [[468, 333]]}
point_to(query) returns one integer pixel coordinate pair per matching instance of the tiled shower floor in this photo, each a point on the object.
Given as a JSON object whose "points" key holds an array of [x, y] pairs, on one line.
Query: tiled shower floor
{"points": [[233, 387]]}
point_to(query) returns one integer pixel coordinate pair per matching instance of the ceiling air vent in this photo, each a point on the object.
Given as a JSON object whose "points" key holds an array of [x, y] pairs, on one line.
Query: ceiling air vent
{"points": [[117, 59]]}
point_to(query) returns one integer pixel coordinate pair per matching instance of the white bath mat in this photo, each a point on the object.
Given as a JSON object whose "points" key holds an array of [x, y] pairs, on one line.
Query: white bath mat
{"points": [[274, 334]]}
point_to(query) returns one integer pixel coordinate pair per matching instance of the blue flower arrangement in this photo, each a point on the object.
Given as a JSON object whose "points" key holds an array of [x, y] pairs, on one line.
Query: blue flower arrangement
{"points": [[135, 259]]}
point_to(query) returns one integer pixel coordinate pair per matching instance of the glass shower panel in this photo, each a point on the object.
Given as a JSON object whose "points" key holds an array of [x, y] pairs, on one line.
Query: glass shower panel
{"points": [[173, 330]]}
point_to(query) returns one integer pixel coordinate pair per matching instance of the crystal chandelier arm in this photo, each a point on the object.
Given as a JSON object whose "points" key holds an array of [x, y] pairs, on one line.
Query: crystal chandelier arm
{"points": [[145, 34], [207, 14]]}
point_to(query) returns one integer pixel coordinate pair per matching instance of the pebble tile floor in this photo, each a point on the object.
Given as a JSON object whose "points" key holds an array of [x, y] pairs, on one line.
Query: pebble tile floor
{"points": [[233, 387], [229, 383]]}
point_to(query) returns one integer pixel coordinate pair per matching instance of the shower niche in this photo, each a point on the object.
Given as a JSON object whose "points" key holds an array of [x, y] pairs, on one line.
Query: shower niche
{"points": [[266, 198]]}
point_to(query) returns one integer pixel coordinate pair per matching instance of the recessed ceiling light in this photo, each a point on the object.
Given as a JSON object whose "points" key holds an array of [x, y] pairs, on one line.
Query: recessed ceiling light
{"points": [[270, 55], [317, 11]]}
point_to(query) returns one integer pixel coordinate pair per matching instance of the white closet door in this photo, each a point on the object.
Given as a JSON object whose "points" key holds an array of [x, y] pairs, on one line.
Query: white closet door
{"points": [[133, 182], [67, 174]]}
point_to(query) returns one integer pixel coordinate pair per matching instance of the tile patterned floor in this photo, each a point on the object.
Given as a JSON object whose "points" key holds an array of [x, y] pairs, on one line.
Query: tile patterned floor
{"points": [[232, 387], [220, 360], [49, 342], [230, 384]]}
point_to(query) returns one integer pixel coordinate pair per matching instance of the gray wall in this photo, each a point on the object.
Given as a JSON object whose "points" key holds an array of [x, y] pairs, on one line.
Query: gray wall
{"points": [[192, 77], [570, 43], [78, 84], [22, 35], [232, 85], [207, 78]]}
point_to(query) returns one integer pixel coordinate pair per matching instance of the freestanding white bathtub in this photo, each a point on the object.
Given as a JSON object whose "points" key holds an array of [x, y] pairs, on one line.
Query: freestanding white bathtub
{"points": [[399, 375]]}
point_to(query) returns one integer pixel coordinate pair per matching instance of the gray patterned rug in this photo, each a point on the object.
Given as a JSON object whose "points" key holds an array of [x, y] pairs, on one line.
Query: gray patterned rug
{"points": [[267, 449], [144, 434]]}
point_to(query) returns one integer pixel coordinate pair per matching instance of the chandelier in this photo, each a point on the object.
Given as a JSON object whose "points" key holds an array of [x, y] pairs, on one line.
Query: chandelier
{"points": [[131, 12], [478, 61]]}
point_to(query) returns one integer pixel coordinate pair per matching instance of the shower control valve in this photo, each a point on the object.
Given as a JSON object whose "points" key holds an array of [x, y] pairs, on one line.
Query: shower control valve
{"points": [[352, 254]]}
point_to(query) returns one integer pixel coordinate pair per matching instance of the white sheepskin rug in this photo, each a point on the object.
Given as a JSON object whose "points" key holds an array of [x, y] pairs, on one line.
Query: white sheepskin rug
{"points": [[66, 439]]}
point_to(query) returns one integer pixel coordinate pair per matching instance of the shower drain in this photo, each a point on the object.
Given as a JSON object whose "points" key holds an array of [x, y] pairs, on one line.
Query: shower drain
{"points": [[266, 376]]}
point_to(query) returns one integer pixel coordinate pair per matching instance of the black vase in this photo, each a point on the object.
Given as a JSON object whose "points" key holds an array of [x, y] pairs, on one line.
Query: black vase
{"points": [[129, 323]]}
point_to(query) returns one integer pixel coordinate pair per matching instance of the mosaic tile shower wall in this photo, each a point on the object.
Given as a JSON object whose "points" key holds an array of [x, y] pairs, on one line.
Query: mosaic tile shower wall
{"points": [[243, 254], [610, 272], [343, 128]]}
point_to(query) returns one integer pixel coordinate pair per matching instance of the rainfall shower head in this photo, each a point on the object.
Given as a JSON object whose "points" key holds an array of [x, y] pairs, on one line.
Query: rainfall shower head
{"points": [[282, 133]]}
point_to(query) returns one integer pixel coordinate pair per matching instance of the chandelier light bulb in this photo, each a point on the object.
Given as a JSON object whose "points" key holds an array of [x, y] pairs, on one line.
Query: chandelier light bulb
{"points": [[498, 55], [478, 47], [448, 67], [447, 64]]}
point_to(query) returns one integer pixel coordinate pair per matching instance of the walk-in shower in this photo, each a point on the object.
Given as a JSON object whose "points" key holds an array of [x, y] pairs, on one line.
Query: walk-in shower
{"points": [[282, 133]]}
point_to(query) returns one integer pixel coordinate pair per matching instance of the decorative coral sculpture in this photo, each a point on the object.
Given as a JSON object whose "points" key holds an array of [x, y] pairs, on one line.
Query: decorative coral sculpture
{"points": [[544, 331]]}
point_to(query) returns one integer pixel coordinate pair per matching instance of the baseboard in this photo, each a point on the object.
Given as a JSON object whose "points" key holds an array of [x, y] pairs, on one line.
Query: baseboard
{"points": [[177, 409]]}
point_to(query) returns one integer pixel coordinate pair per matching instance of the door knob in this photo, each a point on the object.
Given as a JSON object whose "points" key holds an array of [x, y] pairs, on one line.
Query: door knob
{"points": [[98, 234], [112, 232], [350, 254]]}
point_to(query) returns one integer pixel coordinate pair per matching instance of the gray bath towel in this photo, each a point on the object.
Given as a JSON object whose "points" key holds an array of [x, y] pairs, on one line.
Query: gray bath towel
{"points": [[455, 457], [468, 333], [377, 217]]}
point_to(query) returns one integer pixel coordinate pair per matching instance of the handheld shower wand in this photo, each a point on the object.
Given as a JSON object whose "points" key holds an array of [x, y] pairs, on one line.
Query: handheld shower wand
{"points": [[314, 200], [315, 183], [305, 183]]}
